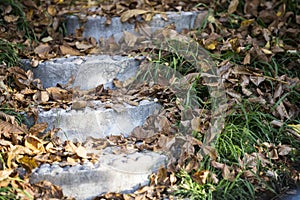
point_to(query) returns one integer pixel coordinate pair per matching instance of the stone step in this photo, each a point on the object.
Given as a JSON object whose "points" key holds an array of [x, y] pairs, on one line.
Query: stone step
{"points": [[97, 122], [123, 173], [88, 71], [94, 26]]}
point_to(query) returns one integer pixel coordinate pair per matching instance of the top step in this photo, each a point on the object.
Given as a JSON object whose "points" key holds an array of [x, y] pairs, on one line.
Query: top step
{"points": [[95, 26]]}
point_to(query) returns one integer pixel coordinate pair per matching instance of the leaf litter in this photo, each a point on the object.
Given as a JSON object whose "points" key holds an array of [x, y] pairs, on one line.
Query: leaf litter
{"points": [[258, 36]]}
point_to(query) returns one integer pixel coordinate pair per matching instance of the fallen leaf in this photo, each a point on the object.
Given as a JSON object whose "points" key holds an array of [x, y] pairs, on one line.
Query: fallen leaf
{"points": [[34, 144], [201, 177], [4, 174], [233, 6], [125, 16], [28, 162], [67, 50], [43, 50], [38, 128], [81, 152], [11, 18]]}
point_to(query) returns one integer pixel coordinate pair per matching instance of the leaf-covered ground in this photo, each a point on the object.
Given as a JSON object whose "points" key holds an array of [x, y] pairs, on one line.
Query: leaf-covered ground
{"points": [[255, 45]]}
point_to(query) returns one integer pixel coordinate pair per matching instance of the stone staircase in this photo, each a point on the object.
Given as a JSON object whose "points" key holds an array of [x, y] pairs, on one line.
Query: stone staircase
{"points": [[114, 172]]}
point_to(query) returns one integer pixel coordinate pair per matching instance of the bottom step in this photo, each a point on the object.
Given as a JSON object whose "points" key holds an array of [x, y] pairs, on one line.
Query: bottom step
{"points": [[122, 172]]}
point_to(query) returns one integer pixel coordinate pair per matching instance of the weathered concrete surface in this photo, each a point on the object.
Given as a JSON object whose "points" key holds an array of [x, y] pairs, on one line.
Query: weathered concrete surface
{"points": [[88, 71], [95, 26], [97, 122], [113, 173]]}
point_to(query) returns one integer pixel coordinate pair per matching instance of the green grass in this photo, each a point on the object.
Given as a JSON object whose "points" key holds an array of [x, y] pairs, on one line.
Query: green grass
{"points": [[246, 129], [9, 53], [22, 23]]}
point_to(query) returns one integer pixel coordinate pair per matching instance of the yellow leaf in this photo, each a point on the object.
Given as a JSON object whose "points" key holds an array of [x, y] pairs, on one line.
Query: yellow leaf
{"points": [[28, 162], [211, 19], [211, 46], [34, 144], [247, 22], [279, 13], [266, 51], [295, 127]]}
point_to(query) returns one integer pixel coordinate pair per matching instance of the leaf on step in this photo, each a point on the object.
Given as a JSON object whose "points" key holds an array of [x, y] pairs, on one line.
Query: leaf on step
{"points": [[43, 50], [70, 147], [131, 13], [81, 152], [15, 151], [130, 38], [57, 93], [83, 45], [67, 50]]}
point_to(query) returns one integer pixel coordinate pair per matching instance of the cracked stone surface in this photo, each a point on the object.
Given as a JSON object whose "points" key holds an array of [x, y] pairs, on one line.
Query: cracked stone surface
{"points": [[88, 71], [98, 123], [95, 25], [113, 172]]}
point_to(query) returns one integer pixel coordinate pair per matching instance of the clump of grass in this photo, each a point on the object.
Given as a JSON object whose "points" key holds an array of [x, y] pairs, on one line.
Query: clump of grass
{"points": [[22, 23], [9, 53]]}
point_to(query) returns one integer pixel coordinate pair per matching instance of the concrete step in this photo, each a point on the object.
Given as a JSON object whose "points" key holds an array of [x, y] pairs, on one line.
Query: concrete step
{"points": [[88, 71], [124, 172], [94, 26], [98, 122]]}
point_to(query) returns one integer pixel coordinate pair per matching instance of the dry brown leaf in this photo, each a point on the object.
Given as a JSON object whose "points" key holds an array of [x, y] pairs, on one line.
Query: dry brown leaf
{"points": [[201, 177], [130, 38], [38, 128], [81, 152], [4, 174], [284, 150], [196, 124], [247, 59], [43, 50], [46, 190], [70, 147], [281, 110], [233, 6], [83, 45], [67, 50], [7, 128], [11, 18], [52, 10], [34, 144], [125, 16], [57, 93]]}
